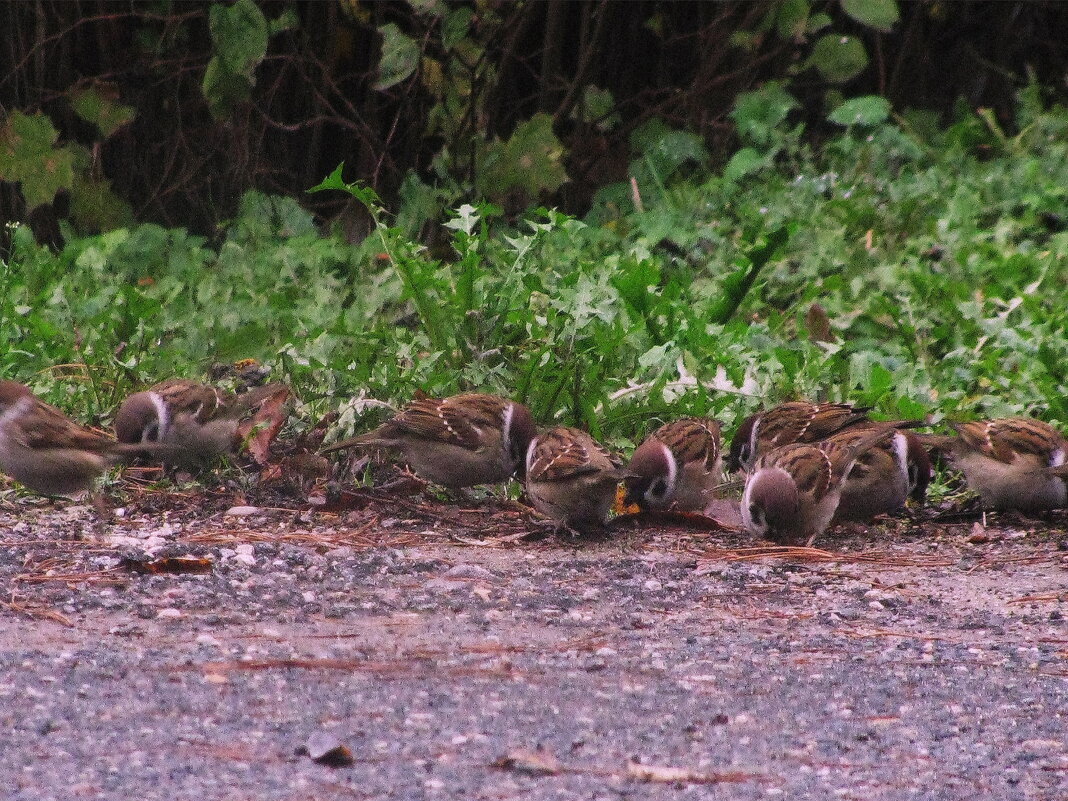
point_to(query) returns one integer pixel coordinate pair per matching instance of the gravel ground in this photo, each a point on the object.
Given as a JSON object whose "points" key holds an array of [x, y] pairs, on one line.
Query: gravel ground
{"points": [[451, 659]]}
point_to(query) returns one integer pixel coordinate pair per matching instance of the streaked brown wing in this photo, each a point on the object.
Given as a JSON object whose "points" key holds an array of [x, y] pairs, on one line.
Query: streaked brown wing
{"points": [[53, 429], [842, 451], [456, 420], [691, 439], [799, 421], [1006, 438], [810, 467], [564, 453], [183, 396]]}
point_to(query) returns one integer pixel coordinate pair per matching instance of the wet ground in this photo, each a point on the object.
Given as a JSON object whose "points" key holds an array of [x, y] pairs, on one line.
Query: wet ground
{"points": [[205, 645]]}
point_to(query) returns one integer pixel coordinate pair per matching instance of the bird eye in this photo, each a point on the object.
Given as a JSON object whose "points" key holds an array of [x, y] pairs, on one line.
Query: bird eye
{"points": [[660, 488], [151, 433]]}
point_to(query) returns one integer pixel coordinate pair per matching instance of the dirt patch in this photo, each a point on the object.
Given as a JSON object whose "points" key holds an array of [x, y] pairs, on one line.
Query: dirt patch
{"points": [[190, 650]]}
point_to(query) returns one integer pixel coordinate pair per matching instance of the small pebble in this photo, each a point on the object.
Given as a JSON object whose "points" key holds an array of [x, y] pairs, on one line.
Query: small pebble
{"points": [[242, 511]]}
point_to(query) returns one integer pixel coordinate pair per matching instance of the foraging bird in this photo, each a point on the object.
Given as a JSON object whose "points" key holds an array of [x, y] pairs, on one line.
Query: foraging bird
{"points": [[787, 423], [792, 492], [678, 464], [459, 441], [884, 476], [47, 452], [1012, 462], [571, 478], [197, 421]]}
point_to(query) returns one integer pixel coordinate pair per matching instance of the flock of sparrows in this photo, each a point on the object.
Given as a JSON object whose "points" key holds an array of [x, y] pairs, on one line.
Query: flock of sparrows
{"points": [[806, 465]]}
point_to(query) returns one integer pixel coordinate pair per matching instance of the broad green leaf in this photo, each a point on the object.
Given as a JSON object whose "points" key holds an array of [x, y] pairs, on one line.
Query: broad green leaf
{"points": [[867, 110], [364, 194], [531, 160], [817, 22], [878, 14], [239, 34], [879, 380], [758, 113], [94, 206], [792, 18], [662, 150], [223, 88], [400, 57], [838, 58], [99, 105], [745, 161], [596, 104], [28, 156], [454, 26]]}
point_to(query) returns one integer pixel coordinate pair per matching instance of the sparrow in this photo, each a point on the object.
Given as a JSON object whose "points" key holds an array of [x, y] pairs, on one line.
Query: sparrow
{"points": [[47, 452], [197, 421], [796, 421], [571, 478], [459, 441], [792, 492], [1012, 462], [678, 464], [884, 476]]}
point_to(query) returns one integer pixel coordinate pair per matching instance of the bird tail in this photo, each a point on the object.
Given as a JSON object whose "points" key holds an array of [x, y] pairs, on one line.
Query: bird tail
{"points": [[943, 443], [842, 461], [154, 451], [372, 439]]}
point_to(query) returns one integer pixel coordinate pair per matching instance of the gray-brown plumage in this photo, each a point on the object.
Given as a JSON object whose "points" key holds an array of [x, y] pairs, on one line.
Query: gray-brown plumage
{"points": [[788, 423], [1012, 462], [792, 492], [47, 452], [677, 465], [884, 476], [198, 422], [571, 478], [458, 441]]}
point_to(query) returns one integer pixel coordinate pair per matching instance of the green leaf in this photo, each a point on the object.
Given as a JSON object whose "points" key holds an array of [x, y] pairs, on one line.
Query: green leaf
{"points": [[792, 18], [531, 160], [27, 156], [223, 89], [95, 207], [454, 26], [879, 380], [838, 58], [400, 57], [757, 114], [662, 151], [597, 104], [283, 22], [867, 110], [817, 22], [364, 194], [99, 105], [737, 285], [744, 162], [239, 34], [878, 14]]}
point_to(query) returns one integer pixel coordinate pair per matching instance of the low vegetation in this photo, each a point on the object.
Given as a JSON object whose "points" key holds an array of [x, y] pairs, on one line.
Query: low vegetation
{"points": [[913, 267]]}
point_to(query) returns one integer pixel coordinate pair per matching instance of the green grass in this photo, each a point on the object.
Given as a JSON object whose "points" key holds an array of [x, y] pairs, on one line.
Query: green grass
{"points": [[939, 257]]}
